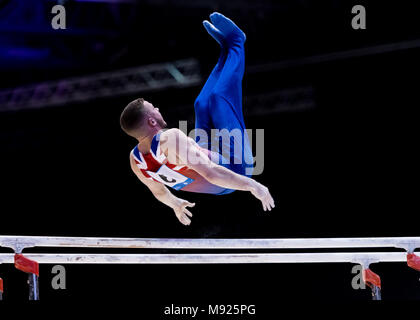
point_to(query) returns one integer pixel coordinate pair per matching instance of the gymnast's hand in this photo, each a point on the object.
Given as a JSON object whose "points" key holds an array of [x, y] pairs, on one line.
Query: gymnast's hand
{"points": [[261, 193], [182, 212]]}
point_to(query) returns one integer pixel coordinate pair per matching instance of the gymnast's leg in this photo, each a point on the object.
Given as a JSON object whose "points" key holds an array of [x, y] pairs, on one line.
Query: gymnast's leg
{"points": [[225, 101], [201, 105]]}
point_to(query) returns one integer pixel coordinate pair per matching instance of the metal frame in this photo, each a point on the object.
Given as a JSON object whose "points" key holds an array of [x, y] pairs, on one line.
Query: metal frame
{"points": [[29, 262], [181, 73], [18, 243], [363, 258]]}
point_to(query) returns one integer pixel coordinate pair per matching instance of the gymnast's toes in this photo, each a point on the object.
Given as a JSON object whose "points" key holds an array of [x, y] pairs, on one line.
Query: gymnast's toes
{"points": [[227, 27], [214, 32]]}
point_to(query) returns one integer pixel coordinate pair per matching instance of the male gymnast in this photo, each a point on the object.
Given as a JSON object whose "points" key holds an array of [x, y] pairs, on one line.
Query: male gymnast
{"points": [[170, 158]]}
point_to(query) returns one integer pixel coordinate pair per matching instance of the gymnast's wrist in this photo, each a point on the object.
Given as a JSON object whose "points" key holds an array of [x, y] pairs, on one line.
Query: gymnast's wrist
{"points": [[176, 202], [251, 185]]}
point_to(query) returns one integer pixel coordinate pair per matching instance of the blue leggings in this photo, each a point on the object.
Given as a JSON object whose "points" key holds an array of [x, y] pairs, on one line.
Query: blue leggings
{"points": [[219, 106]]}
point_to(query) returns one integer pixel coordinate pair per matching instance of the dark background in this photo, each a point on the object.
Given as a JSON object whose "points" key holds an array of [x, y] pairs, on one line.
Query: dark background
{"points": [[345, 165]]}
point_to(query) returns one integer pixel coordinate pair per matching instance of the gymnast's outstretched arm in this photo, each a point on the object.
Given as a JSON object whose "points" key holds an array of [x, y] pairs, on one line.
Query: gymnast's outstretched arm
{"points": [[165, 196], [176, 144]]}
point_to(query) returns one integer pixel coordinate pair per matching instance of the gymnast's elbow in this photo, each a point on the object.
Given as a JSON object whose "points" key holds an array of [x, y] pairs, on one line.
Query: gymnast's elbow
{"points": [[204, 169], [212, 173]]}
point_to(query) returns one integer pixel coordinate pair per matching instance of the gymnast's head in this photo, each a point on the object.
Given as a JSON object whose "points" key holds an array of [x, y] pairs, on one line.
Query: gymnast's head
{"points": [[140, 119]]}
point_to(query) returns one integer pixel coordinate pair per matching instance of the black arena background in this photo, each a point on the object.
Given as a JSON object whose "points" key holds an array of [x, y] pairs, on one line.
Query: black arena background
{"points": [[341, 156]]}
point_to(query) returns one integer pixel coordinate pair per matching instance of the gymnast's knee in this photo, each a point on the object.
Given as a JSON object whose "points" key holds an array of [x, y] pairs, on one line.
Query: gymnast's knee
{"points": [[216, 96]]}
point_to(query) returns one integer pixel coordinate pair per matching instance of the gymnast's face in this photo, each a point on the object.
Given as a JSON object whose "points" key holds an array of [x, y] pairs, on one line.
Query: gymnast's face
{"points": [[154, 114]]}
